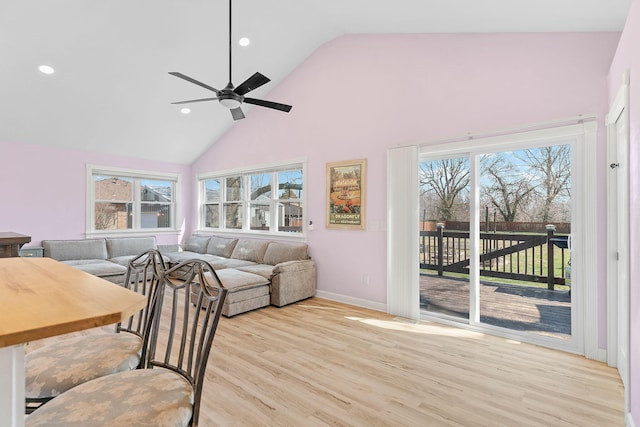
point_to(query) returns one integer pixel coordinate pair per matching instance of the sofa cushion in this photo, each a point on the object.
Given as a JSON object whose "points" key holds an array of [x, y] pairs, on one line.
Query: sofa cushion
{"points": [[250, 250], [64, 250], [282, 252], [264, 270], [124, 259], [178, 257], [122, 246], [197, 244], [221, 246], [97, 267], [221, 263], [236, 280]]}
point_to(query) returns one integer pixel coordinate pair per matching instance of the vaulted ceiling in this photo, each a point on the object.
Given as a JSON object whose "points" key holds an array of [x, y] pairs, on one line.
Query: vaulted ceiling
{"points": [[111, 91]]}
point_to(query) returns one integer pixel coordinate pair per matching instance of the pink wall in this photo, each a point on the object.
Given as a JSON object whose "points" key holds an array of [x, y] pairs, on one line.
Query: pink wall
{"points": [[358, 95], [627, 58], [44, 189]]}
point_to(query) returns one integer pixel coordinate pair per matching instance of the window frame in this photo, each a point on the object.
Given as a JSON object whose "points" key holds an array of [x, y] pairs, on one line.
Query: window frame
{"points": [[136, 176], [273, 202]]}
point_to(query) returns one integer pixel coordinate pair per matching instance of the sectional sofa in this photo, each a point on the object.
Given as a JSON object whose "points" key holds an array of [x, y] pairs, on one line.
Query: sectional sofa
{"points": [[256, 272]]}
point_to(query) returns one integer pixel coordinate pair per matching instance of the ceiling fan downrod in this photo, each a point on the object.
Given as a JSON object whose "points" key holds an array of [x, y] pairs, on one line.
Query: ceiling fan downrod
{"points": [[230, 44]]}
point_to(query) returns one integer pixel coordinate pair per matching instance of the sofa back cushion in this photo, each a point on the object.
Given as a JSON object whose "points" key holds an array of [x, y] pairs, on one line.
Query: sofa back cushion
{"points": [[65, 250], [282, 252], [221, 246], [197, 244], [250, 250], [123, 246]]}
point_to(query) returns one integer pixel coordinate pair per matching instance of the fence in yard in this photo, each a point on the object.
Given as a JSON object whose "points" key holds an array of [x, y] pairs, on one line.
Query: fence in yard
{"points": [[517, 256]]}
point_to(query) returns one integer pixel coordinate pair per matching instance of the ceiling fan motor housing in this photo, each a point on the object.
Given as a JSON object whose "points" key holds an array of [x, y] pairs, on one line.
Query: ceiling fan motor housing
{"points": [[229, 99]]}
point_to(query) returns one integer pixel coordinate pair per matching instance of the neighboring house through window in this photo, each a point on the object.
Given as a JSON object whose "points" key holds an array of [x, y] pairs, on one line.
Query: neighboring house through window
{"points": [[124, 200]]}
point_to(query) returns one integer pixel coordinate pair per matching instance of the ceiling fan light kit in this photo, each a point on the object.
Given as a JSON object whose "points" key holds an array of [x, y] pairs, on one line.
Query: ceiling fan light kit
{"points": [[232, 97]]}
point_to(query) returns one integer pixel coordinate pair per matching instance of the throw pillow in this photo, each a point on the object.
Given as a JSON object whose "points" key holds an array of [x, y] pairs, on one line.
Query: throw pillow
{"points": [[197, 244]]}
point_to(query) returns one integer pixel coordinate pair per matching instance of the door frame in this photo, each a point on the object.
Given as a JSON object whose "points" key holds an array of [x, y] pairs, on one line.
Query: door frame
{"points": [[618, 285], [584, 313]]}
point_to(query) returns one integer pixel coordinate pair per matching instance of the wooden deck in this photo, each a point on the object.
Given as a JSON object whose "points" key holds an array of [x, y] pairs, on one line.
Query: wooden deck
{"points": [[516, 307]]}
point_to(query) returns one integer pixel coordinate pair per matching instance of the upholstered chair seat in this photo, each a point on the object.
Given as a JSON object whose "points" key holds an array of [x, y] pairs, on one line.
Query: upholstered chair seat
{"points": [[119, 400], [58, 367]]}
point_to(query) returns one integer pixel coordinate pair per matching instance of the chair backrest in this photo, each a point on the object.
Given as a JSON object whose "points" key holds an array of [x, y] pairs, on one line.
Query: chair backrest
{"points": [[186, 313], [143, 276]]}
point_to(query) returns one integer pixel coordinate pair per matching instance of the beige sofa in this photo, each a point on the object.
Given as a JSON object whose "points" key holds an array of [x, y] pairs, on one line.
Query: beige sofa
{"points": [[256, 272]]}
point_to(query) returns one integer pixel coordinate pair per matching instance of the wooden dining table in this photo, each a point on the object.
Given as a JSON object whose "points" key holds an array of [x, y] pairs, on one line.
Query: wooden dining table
{"points": [[41, 298]]}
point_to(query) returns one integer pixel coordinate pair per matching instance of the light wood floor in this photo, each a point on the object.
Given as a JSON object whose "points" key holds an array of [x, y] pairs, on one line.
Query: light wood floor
{"points": [[321, 363]]}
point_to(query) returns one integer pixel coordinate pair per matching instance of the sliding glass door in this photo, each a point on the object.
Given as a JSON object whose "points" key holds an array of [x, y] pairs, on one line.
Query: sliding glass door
{"points": [[444, 253], [495, 237], [525, 210]]}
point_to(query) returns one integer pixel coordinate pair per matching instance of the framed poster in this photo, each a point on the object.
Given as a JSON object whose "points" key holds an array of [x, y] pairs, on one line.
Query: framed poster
{"points": [[346, 190]]}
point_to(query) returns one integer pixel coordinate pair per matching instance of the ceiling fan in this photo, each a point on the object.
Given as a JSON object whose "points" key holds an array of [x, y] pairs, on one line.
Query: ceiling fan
{"points": [[232, 97]]}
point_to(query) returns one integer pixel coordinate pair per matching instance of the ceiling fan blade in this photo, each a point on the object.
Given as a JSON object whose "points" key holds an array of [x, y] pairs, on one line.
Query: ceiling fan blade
{"points": [[275, 105], [194, 81], [251, 83], [237, 113], [194, 100]]}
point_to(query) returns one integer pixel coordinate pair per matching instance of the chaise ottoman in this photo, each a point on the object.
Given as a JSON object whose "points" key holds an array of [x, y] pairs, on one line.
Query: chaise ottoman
{"points": [[247, 291]]}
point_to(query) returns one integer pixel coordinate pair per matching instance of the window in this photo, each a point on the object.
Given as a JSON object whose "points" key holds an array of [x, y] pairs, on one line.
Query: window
{"points": [[260, 201], [211, 205], [233, 202], [122, 200], [266, 200], [290, 200]]}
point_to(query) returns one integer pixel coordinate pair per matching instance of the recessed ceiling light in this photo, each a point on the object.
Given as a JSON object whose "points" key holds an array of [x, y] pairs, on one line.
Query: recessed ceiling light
{"points": [[46, 69], [244, 41], [185, 110]]}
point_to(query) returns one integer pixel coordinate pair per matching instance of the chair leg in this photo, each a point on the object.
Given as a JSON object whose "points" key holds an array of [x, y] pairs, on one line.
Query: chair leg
{"points": [[35, 403]]}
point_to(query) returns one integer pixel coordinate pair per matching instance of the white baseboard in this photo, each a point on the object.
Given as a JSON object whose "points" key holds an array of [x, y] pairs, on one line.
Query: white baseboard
{"points": [[352, 301], [601, 355]]}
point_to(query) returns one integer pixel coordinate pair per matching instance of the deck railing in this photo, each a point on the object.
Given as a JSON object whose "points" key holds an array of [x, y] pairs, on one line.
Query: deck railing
{"points": [[516, 256]]}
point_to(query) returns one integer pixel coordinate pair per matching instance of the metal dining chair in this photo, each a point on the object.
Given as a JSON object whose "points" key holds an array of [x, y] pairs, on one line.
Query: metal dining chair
{"points": [[62, 365], [168, 391]]}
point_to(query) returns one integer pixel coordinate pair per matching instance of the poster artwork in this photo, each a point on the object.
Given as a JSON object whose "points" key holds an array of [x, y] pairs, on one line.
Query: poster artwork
{"points": [[346, 193]]}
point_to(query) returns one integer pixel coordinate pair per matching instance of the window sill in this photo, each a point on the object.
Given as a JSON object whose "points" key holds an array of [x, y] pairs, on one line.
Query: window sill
{"points": [[132, 233], [297, 237]]}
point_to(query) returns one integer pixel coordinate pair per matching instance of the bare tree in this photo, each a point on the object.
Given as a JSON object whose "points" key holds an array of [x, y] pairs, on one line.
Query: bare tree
{"points": [[232, 211], [507, 189], [105, 216], [448, 180], [551, 175], [525, 185]]}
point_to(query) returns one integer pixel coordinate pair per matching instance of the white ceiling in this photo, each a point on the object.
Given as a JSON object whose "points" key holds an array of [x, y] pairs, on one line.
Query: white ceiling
{"points": [[111, 92]]}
